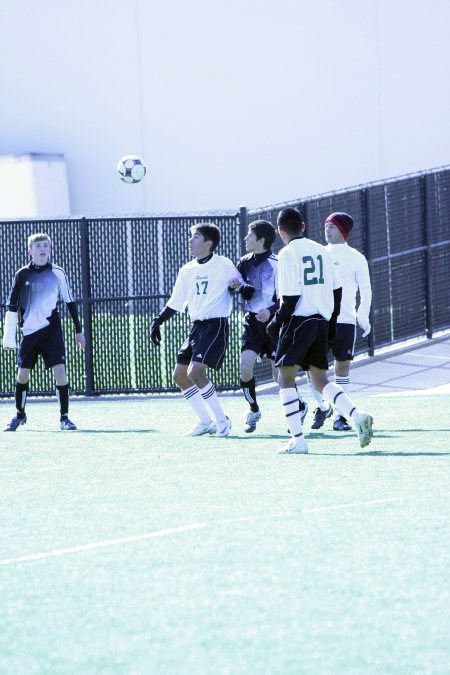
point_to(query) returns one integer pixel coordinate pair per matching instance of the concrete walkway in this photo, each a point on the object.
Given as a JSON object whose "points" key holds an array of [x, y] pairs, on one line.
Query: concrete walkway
{"points": [[421, 366]]}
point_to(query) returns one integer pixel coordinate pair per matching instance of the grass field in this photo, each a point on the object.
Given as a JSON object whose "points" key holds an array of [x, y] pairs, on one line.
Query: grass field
{"points": [[126, 548]]}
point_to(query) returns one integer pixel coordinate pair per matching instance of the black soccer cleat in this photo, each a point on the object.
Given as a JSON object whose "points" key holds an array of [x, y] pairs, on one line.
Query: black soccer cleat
{"points": [[15, 423], [303, 407], [67, 425], [341, 424], [320, 416]]}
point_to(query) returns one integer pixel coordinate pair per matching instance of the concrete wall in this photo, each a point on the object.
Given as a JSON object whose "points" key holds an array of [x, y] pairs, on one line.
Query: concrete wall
{"points": [[228, 101]]}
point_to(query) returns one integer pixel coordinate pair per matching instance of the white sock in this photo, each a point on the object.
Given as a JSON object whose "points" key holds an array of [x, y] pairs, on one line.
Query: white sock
{"points": [[210, 397], [342, 382], [335, 394], [194, 398], [289, 400], [299, 396], [323, 404]]}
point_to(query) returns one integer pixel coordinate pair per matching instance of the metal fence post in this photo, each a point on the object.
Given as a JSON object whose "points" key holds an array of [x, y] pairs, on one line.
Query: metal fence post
{"points": [[87, 306], [369, 256], [243, 225], [426, 222]]}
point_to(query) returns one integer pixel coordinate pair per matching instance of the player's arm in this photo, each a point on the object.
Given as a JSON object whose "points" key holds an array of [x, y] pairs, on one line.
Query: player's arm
{"points": [[337, 293], [176, 303], [365, 293], [67, 296], [283, 314], [155, 333], [12, 316], [238, 281], [10, 330], [79, 337]]}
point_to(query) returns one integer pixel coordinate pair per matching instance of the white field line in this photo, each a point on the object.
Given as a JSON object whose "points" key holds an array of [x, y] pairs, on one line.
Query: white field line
{"points": [[186, 528], [441, 389]]}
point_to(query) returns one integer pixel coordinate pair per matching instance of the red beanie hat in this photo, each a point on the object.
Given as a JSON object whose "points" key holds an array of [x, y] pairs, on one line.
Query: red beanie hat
{"points": [[343, 222]]}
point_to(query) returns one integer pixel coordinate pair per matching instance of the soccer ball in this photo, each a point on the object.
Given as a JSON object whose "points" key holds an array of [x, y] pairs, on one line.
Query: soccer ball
{"points": [[131, 169]]}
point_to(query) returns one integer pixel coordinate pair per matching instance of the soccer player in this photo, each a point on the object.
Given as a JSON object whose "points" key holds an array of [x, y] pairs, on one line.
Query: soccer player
{"points": [[259, 290], [354, 274], [32, 304], [310, 293], [203, 285]]}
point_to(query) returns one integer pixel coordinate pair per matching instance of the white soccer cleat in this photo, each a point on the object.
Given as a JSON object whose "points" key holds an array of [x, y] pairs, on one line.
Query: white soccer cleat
{"points": [[202, 429], [252, 419], [363, 424], [295, 447], [223, 427]]}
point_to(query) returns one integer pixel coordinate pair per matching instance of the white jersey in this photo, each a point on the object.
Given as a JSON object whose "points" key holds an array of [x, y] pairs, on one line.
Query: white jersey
{"points": [[305, 268], [203, 288], [353, 270]]}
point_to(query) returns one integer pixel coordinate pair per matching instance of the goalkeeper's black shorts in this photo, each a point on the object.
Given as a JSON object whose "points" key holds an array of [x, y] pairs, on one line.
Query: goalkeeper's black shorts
{"points": [[47, 342]]}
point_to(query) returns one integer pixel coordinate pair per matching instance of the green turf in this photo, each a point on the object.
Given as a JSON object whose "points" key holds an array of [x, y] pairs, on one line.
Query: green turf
{"points": [[332, 563]]}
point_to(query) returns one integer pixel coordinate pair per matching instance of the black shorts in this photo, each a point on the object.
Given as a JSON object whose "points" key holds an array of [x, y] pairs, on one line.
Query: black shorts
{"points": [[255, 337], [303, 341], [48, 342], [206, 343], [343, 345]]}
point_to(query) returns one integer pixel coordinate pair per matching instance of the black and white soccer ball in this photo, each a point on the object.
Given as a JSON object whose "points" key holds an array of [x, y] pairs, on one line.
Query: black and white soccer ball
{"points": [[131, 169]]}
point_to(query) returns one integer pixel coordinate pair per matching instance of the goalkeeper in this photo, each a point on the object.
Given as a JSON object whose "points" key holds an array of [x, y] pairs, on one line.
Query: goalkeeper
{"points": [[32, 305]]}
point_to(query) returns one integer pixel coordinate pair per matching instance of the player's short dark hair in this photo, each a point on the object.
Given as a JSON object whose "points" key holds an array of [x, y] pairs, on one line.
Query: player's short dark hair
{"points": [[209, 232], [291, 220], [262, 228]]}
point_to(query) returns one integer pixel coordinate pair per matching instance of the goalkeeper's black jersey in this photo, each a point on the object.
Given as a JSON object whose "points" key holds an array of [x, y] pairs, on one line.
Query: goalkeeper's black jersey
{"points": [[35, 294], [261, 271]]}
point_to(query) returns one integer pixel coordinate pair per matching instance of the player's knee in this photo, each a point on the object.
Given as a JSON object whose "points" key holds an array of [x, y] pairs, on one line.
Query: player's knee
{"points": [[23, 375], [246, 373]]}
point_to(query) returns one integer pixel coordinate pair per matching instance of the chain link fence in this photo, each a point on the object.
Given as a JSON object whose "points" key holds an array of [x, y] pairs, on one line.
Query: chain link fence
{"points": [[122, 271]]}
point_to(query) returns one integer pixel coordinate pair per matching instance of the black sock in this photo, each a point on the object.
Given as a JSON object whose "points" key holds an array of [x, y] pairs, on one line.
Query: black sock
{"points": [[249, 389], [62, 394], [21, 397]]}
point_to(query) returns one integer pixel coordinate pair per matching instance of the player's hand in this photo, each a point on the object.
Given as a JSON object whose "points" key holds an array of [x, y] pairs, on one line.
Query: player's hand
{"points": [[273, 328], [366, 329], [234, 283], [155, 333], [365, 326], [9, 345], [247, 290], [80, 341], [263, 315]]}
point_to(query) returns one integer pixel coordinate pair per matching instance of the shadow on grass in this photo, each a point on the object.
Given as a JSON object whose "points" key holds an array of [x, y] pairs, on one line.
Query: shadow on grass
{"points": [[381, 453], [94, 431]]}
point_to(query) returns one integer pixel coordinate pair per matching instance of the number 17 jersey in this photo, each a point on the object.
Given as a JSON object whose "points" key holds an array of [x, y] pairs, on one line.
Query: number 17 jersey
{"points": [[305, 268], [203, 288]]}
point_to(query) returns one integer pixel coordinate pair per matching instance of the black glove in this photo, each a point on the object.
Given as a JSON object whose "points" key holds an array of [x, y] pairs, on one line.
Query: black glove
{"points": [[273, 327], [247, 290], [155, 333]]}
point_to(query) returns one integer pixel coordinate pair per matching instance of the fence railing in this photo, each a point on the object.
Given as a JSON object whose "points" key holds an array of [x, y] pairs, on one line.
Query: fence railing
{"points": [[122, 271]]}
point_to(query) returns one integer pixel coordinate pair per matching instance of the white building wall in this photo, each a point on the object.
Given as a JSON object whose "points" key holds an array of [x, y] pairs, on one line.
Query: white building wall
{"points": [[229, 101]]}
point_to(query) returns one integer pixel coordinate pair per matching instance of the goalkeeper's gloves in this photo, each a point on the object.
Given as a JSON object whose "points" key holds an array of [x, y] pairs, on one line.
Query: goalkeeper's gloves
{"points": [[9, 334], [247, 291]]}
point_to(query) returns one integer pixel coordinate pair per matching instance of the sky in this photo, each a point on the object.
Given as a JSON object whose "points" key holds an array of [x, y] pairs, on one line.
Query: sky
{"points": [[229, 103]]}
